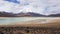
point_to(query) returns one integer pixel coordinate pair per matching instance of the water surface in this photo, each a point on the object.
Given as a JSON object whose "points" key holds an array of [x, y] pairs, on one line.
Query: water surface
{"points": [[15, 20], [10, 20]]}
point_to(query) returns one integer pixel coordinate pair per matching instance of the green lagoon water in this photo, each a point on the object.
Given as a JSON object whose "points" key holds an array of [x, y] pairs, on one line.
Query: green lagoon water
{"points": [[10, 20]]}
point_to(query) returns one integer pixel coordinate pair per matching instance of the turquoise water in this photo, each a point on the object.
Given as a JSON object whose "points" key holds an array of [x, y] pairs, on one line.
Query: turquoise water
{"points": [[15, 20], [10, 20]]}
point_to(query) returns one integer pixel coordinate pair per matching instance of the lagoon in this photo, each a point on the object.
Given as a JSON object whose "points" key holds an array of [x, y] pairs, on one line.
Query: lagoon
{"points": [[10, 20]]}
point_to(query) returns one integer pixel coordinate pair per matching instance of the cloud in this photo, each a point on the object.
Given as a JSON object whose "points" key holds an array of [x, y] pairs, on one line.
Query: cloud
{"points": [[45, 7], [8, 7]]}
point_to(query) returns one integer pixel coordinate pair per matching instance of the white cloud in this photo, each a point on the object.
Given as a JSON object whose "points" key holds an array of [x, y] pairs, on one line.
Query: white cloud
{"points": [[45, 7]]}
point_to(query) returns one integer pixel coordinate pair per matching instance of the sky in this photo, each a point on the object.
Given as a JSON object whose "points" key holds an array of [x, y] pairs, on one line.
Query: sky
{"points": [[45, 7]]}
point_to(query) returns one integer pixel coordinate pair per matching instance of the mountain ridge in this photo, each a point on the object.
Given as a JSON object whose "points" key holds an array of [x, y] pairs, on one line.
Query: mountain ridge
{"points": [[28, 14]]}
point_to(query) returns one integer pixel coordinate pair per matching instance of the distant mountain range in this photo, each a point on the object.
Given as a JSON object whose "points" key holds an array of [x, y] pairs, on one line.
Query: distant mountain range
{"points": [[6, 14], [28, 14]]}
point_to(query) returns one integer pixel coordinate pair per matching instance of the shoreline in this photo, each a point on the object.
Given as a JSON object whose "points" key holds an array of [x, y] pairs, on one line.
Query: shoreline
{"points": [[51, 23]]}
